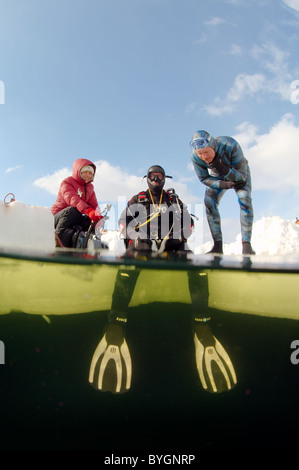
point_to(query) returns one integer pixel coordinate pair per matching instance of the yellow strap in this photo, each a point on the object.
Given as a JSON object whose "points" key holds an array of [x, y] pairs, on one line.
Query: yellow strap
{"points": [[153, 198], [149, 220], [156, 209]]}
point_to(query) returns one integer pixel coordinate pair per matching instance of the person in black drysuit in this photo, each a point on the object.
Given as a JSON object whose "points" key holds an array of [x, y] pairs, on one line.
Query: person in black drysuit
{"points": [[156, 220]]}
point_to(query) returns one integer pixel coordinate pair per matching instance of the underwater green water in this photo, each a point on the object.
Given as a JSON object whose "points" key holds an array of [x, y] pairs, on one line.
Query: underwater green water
{"points": [[46, 401]]}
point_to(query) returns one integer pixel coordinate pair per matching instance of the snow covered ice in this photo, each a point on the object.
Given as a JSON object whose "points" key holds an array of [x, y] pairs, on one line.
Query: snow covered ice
{"points": [[31, 227], [270, 236]]}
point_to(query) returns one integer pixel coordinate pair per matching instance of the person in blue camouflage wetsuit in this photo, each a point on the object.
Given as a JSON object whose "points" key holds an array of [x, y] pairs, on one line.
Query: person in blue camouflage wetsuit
{"points": [[220, 165]]}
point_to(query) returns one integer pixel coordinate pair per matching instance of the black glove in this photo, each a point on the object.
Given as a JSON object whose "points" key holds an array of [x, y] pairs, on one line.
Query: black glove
{"points": [[142, 245], [218, 165], [226, 184], [171, 192], [239, 185]]}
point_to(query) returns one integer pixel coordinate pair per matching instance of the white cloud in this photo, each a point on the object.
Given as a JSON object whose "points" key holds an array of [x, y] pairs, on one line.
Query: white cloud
{"points": [[215, 21], [245, 84], [203, 38], [273, 157], [274, 61], [112, 183], [9, 170], [292, 4], [216, 109], [274, 78], [51, 183], [236, 49], [271, 58]]}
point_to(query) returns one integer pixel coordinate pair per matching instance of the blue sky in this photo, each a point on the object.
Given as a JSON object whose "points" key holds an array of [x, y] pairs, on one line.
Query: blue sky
{"points": [[126, 83]]}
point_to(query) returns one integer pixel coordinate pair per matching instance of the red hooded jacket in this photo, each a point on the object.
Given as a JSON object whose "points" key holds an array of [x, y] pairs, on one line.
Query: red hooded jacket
{"points": [[75, 192]]}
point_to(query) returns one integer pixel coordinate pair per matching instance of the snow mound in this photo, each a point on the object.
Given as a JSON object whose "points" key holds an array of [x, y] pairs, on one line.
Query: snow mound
{"points": [[24, 226], [270, 236], [275, 236], [115, 244]]}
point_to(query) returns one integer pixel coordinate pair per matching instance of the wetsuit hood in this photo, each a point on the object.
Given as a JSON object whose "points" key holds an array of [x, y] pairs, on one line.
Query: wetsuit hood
{"points": [[156, 185], [201, 134]]}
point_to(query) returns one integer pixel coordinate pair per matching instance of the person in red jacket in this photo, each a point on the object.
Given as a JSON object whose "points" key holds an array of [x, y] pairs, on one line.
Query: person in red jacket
{"points": [[76, 204]]}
